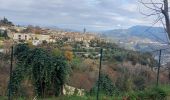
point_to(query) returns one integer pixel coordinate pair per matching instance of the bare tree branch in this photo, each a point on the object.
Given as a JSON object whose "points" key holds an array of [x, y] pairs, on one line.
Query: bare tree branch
{"points": [[147, 5], [156, 5], [159, 9], [148, 15]]}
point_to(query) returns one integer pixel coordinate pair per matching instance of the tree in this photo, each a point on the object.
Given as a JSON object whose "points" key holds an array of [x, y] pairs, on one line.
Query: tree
{"points": [[106, 86], [37, 30], [29, 29], [161, 10], [47, 72], [69, 55], [57, 52], [5, 22], [4, 34]]}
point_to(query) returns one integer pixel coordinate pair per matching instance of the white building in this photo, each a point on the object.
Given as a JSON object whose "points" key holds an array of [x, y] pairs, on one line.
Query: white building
{"points": [[21, 36], [1, 50], [36, 42]]}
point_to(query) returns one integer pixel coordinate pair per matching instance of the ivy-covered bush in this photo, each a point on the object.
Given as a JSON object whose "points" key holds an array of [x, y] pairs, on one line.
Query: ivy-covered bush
{"points": [[47, 72], [106, 86]]}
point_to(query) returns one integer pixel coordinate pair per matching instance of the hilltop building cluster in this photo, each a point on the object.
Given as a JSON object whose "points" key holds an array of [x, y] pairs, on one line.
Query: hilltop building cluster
{"points": [[37, 35]]}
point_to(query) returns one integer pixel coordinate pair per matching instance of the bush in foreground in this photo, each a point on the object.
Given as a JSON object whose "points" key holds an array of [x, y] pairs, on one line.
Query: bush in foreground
{"points": [[154, 93]]}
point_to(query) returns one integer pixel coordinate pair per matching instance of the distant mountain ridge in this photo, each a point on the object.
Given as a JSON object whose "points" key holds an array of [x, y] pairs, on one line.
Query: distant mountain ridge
{"points": [[153, 33]]}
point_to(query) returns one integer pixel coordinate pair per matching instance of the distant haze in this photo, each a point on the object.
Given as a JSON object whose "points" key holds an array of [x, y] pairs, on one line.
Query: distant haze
{"points": [[154, 33]]}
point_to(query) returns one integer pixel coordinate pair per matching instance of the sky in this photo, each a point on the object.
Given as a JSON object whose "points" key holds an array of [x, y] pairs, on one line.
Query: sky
{"points": [[94, 15]]}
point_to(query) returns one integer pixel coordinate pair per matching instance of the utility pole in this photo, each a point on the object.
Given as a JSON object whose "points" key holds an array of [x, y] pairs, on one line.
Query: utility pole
{"points": [[159, 65], [101, 54], [11, 66]]}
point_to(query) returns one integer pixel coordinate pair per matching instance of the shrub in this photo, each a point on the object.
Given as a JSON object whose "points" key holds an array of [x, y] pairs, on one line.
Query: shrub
{"points": [[155, 93], [75, 63], [124, 83], [106, 86], [139, 83], [48, 73]]}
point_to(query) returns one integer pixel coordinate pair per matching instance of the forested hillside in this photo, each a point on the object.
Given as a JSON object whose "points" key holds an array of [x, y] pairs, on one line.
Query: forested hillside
{"points": [[43, 70]]}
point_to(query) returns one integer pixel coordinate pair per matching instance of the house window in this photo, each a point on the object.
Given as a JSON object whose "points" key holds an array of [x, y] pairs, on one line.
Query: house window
{"points": [[25, 37], [19, 37]]}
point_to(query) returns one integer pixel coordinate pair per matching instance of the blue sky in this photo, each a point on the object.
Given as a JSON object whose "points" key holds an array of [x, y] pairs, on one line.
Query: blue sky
{"points": [[74, 14]]}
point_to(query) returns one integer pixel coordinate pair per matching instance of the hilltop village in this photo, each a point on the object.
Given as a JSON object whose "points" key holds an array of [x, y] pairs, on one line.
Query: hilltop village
{"points": [[37, 35], [12, 34]]}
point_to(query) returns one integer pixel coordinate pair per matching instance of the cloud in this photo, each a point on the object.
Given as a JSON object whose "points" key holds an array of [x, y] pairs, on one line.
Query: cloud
{"points": [[130, 7], [76, 14]]}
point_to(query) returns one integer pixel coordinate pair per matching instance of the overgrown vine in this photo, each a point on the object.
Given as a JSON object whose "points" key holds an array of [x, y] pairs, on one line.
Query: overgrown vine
{"points": [[47, 72]]}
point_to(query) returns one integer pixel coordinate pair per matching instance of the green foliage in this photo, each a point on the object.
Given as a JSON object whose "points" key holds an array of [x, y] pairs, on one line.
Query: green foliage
{"points": [[1, 38], [3, 34], [47, 72], [17, 77], [106, 86], [124, 84], [57, 52], [150, 93], [75, 63], [155, 93], [21, 51], [1, 46], [128, 82], [112, 52], [6, 22], [139, 82], [119, 55]]}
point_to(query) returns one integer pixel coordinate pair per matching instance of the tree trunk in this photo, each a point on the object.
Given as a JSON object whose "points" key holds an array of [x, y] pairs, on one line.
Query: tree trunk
{"points": [[166, 14]]}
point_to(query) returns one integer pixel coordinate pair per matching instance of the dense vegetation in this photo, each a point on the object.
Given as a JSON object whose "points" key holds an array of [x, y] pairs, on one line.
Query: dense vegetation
{"points": [[113, 52], [41, 71], [5, 22], [46, 71], [3, 34], [152, 93], [106, 86]]}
